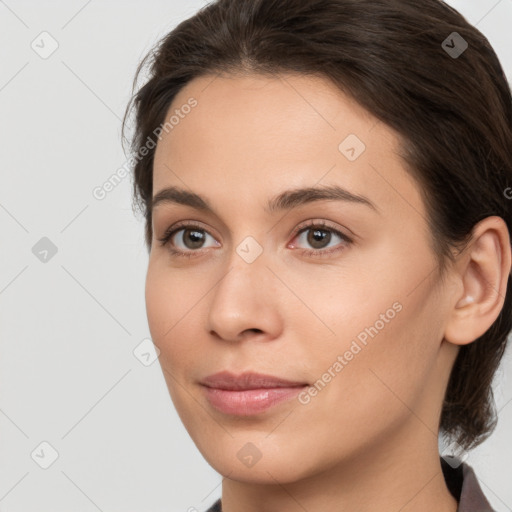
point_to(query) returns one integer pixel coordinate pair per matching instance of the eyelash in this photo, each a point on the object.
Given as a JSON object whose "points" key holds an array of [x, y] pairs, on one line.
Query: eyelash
{"points": [[321, 226]]}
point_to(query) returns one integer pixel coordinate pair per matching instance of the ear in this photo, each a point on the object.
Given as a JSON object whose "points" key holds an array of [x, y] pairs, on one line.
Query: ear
{"points": [[483, 271]]}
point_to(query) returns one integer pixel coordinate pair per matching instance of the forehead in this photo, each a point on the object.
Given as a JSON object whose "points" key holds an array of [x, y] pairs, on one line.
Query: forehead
{"points": [[288, 115], [255, 135]]}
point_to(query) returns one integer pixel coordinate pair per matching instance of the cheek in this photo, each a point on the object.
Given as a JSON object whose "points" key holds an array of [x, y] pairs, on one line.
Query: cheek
{"points": [[379, 341], [369, 393], [159, 303], [167, 306]]}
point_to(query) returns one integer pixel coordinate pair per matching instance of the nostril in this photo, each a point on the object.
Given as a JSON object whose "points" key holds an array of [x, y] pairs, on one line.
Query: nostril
{"points": [[257, 331]]}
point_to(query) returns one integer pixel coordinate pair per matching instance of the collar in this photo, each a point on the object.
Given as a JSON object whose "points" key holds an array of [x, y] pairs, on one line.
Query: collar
{"points": [[462, 482]]}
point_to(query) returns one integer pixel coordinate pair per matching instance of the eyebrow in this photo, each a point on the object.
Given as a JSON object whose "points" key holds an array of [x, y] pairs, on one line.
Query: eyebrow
{"points": [[287, 200]]}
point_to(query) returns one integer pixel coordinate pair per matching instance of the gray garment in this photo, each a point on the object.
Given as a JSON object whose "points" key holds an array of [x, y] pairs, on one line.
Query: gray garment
{"points": [[465, 488], [460, 480]]}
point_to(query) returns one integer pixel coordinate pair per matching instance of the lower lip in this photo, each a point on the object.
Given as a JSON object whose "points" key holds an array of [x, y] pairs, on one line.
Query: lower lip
{"points": [[250, 401]]}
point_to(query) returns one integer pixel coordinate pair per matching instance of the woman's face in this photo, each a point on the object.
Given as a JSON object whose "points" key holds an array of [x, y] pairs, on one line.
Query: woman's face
{"points": [[337, 295]]}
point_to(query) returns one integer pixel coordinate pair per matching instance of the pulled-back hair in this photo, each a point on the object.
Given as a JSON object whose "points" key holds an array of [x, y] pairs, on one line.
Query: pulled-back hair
{"points": [[452, 112]]}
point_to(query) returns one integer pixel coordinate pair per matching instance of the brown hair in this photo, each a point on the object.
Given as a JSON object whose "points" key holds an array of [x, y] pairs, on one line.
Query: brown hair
{"points": [[453, 114]]}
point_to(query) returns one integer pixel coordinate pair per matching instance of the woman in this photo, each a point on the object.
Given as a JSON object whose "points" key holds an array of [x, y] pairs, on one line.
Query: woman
{"points": [[325, 186]]}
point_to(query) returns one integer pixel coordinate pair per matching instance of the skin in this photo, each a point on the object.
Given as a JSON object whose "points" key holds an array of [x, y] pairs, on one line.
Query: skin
{"points": [[368, 440]]}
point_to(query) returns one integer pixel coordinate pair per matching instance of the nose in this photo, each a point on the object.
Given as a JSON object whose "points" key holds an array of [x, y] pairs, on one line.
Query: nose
{"points": [[245, 302]]}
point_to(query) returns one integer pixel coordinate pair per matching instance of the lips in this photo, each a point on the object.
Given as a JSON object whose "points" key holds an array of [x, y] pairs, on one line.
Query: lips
{"points": [[249, 380], [249, 393]]}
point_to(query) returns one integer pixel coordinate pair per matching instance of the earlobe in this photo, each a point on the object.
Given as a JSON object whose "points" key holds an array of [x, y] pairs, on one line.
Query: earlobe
{"points": [[483, 269]]}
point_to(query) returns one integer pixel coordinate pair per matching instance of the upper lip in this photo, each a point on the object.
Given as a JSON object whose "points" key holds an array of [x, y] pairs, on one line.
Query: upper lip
{"points": [[247, 380]]}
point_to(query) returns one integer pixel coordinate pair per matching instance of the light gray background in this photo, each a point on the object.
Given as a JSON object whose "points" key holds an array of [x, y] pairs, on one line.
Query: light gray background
{"points": [[68, 327]]}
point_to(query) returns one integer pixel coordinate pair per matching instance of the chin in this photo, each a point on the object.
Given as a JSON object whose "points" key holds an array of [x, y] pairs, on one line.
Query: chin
{"points": [[261, 461], [269, 472]]}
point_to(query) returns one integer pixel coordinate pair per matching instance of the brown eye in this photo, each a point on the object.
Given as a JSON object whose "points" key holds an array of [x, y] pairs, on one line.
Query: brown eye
{"points": [[186, 239], [192, 238], [317, 238], [319, 235]]}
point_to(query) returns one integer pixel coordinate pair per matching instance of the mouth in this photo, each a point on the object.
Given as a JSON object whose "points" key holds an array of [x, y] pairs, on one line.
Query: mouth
{"points": [[249, 393]]}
